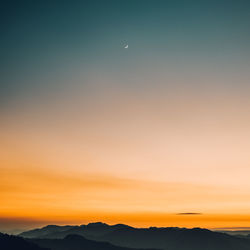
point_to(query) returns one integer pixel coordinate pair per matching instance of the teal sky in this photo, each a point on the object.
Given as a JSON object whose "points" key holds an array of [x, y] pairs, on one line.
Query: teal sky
{"points": [[56, 39]]}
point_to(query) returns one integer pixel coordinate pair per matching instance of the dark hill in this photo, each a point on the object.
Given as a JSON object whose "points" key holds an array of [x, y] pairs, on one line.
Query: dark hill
{"points": [[90, 231], [9, 242], [176, 239], [43, 232], [159, 238], [76, 242]]}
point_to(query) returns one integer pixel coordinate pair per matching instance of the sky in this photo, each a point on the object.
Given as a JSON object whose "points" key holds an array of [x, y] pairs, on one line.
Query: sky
{"points": [[156, 134]]}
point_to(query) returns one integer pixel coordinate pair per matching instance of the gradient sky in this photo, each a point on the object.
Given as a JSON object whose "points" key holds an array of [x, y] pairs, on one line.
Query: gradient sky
{"points": [[156, 134]]}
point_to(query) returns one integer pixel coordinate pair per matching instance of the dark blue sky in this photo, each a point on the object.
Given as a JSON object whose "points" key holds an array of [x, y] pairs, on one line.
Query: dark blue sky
{"points": [[51, 38]]}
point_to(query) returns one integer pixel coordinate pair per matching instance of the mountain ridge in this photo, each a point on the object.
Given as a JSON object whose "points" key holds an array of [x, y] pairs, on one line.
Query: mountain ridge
{"points": [[167, 238], [10, 242], [77, 242]]}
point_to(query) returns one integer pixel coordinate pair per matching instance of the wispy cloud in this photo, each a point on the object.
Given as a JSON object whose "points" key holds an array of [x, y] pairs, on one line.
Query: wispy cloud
{"points": [[189, 214]]}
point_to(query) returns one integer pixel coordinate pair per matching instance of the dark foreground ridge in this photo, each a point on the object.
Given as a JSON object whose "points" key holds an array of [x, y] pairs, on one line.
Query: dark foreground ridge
{"points": [[143, 238], [8, 242], [70, 242], [77, 242]]}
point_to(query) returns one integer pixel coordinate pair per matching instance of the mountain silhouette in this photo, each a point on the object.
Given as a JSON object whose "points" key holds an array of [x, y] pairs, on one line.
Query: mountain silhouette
{"points": [[176, 239], [76, 242], [9, 242], [158, 238], [90, 231], [45, 231]]}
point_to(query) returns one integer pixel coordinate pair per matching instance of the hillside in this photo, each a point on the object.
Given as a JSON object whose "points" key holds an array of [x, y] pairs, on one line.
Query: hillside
{"points": [[9, 242], [159, 238]]}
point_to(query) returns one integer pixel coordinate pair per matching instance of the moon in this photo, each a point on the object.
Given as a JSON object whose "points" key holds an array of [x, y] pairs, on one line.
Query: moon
{"points": [[126, 46]]}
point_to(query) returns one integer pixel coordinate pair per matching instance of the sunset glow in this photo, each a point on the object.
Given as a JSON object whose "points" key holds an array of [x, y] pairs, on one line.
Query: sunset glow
{"points": [[157, 134]]}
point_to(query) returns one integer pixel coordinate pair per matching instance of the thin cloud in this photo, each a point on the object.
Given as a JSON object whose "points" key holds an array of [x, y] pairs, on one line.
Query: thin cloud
{"points": [[189, 214]]}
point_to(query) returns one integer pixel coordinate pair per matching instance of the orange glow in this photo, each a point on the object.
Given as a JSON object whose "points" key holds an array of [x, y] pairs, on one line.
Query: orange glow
{"points": [[138, 163], [51, 198]]}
